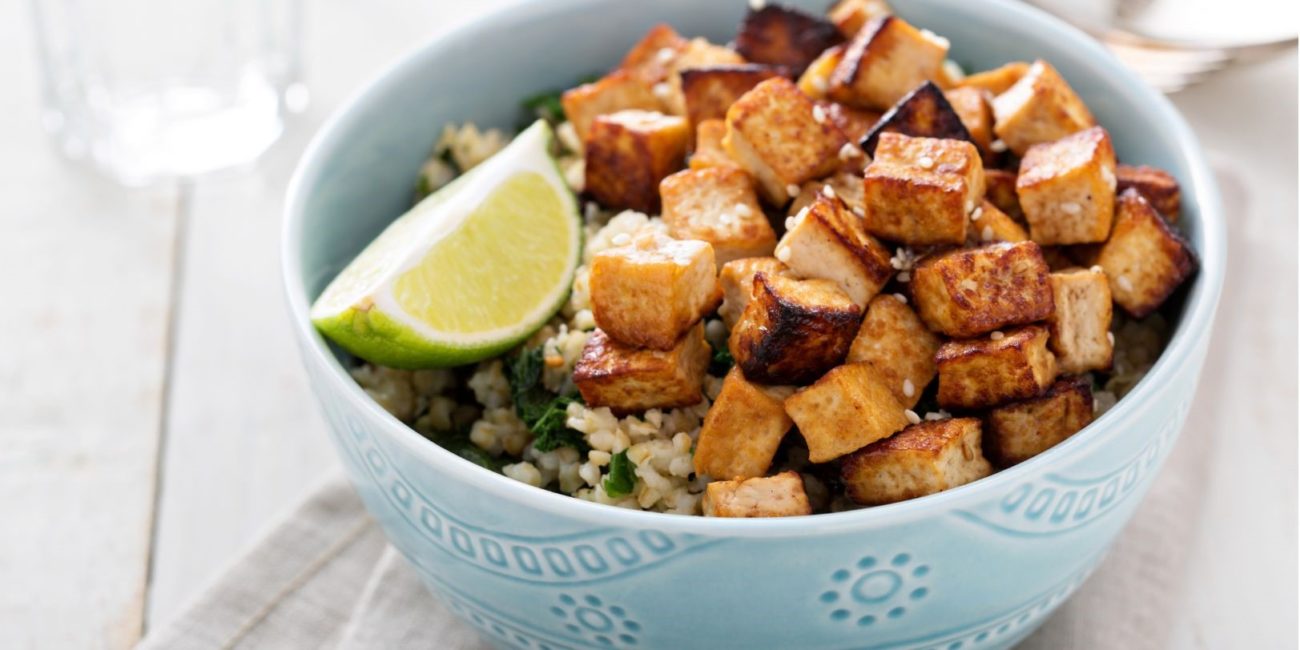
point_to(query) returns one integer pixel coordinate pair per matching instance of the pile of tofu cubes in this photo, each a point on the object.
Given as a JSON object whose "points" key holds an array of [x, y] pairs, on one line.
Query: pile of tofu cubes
{"points": [[866, 223]]}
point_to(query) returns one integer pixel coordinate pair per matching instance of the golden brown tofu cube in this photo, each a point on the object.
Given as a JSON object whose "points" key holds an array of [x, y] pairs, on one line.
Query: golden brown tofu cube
{"points": [[919, 191], [629, 379], [1080, 327], [925, 113], [922, 459], [737, 280], [966, 293], [853, 122], [1039, 107], [649, 292], [847, 409], [708, 146], [792, 331], [989, 224], [885, 61], [827, 241], [629, 152], [815, 81], [998, 80], [1156, 185], [897, 344], [651, 59], [1000, 189], [1067, 188], [850, 16], [1145, 259], [774, 133], [845, 186], [996, 369], [785, 36], [743, 428], [972, 107], [710, 91], [718, 206], [1019, 431], [768, 496], [699, 53], [620, 90]]}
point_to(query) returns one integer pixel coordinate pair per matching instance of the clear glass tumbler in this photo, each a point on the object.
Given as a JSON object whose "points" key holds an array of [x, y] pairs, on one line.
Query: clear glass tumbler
{"points": [[155, 89]]}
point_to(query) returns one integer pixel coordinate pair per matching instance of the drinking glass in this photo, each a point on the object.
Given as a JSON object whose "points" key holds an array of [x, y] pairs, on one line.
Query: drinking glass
{"points": [[157, 89]]}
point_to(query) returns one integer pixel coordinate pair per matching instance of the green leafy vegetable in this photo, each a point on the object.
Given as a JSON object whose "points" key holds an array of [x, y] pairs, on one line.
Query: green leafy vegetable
{"points": [[546, 106], [458, 442], [621, 479], [721, 362], [543, 412]]}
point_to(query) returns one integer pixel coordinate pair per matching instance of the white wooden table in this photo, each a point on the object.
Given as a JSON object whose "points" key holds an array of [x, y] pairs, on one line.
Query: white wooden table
{"points": [[154, 418]]}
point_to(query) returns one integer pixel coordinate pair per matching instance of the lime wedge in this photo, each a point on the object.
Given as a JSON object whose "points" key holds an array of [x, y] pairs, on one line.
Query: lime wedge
{"points": [[467, 273]]}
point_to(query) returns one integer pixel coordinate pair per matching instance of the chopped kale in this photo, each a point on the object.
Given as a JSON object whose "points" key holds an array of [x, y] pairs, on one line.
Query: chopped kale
{"points": [[621, 479], [721, 362], [546, 106], [542, 411], [458, 442]]}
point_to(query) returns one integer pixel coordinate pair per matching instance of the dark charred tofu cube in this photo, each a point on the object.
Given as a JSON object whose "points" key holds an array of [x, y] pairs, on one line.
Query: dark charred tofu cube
{"points": [[922, 459], [620, 90], [1000, 190], [998, 80], [767, 496], [1039, 107], [966, 293], [1157, 186], [1145, 259], [850, 16], [922, 113], [996, 369], [895, 342], [717, 206], [629, 379], [710, 91], [784, 36], [1019, 431], [774, 132], [847, 409], [737, 280], [919, 191], [815, 81], [1080, 327], [629, 152], [649, 292], [972, 106], [989, 224], [827, 241], [792, 331], [743, 428], [708, 146], [1067, 188], [885, 61]]}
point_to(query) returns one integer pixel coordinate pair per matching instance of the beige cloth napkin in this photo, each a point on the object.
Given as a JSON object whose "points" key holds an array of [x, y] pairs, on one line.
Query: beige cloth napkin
{"points": [[325, 578]]}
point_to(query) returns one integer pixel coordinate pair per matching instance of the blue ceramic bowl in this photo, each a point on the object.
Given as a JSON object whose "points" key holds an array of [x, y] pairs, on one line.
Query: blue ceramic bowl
{"points": [[976, 567]]}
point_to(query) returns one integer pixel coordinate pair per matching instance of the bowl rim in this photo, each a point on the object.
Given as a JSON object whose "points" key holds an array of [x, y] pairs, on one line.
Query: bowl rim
{"points": [[1195, 324]]}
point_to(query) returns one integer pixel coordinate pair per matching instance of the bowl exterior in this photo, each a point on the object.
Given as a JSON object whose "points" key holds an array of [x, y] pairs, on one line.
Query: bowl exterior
{"points": [[981, 566]]}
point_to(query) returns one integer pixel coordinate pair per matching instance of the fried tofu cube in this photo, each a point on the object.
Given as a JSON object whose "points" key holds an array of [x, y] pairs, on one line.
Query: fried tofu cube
{"points": [[620, 90], [885, 61], [708, 146], [1039, 107], [785, 36], [649, 292], [743, 428], [1067, 188], [855, 123], [847, 409], [774, 133], [919, 191], [966, 293], [737, 280], [710, 91], [827, 241], [1080, 327], [1145, 259], [996, 81], [1000, 190], [718, 206], [1021, 430], [1156, 185], [845, 186], [651, 59], [629, 152], [815, 81], [850, 16], [925, 112], [996, 369], [792, 331], [900, 348], [972, 107], [630, 379], [989, 224], [768, 496], [699, 53], [922, 459]]}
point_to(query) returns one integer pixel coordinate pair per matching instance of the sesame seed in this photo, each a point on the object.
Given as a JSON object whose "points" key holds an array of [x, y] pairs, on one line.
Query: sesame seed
{"points": [[590, 210], [925, 162], [1071, 208], [621, 239], [904, 277], [859, 211], [790, 223], [901, 298], [997, 146], [828, 191], [938, 415], [1108, 176], [970, 206], [979, 212], [743, 210], [909, 389], [987, 233], [848, 151], [820, 85], [726, 219], [1110, 336], [665, 54], [757, 4], [792, 190], [997, 335], [1096, 268], [1123, 283], [662, 90], [819, 114], [912, 416], [783, 254]]}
